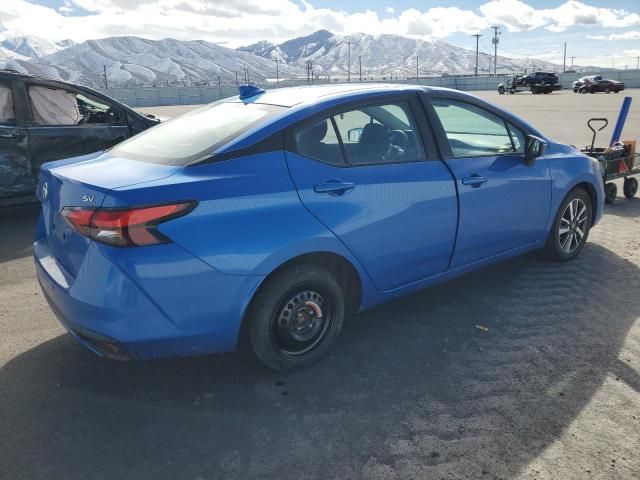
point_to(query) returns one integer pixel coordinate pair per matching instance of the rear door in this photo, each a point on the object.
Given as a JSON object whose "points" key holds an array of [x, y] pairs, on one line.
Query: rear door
{"points": [[367, 174], [504, 204], [16, 178], [65, 123]]}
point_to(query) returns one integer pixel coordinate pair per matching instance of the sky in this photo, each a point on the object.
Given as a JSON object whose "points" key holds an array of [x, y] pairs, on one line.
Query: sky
{"points": [[597, 32]]}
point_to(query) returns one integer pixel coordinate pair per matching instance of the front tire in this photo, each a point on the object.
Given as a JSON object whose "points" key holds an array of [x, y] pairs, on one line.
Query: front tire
{"points": [[501, 90], [570, 228], [296, 317]]}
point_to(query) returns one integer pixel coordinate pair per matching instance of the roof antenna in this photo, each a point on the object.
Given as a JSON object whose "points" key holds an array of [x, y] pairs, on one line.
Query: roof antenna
{"points": [[248, 91]]}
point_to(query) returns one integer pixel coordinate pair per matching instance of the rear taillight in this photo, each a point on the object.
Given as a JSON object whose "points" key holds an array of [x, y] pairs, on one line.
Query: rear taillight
{"points": [[125, 227]]}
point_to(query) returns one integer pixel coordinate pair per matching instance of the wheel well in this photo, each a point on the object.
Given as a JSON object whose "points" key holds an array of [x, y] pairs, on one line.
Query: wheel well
{"points": [[593, 196], [344, 271]]}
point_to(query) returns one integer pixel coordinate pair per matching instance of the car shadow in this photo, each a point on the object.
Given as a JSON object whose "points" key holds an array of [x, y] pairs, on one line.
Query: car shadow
{"points": [[17, 225], [472, 378]]}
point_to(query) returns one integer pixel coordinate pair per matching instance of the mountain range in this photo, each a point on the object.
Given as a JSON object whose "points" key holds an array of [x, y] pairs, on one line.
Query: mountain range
{"points": [[138, 61]]}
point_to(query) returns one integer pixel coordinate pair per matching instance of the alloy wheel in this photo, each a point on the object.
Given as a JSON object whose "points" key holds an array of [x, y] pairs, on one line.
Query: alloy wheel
{"points": [[573, 223]]}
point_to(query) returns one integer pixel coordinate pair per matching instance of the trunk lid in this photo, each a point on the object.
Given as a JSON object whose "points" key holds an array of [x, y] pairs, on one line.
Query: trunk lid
{"points": [[85, 182]]}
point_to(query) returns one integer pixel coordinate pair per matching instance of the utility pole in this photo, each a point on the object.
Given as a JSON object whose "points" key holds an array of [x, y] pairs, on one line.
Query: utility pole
{"points": [[237, 84], [477, 35], [564, 60], [104, 73], [360, 66], [637, 63], [219, 87], [572, 59], [417, 69], [277, 72], [349, 61], [495, 41]]}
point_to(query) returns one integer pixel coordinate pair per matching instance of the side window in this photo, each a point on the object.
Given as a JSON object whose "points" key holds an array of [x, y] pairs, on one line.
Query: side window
{"points": [[7, 111], [57, 106], [383, 133], [320, 142], [473, 131]]}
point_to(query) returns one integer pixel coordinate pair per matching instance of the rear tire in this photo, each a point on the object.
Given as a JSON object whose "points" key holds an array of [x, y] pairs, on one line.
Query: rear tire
{"points": [[610, 192], [570, 228], [630, 187], [295, 317], [607, 90]]}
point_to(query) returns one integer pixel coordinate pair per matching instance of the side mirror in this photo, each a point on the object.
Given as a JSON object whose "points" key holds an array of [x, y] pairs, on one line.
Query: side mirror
{"points": [[354, 135], [533, 148]]}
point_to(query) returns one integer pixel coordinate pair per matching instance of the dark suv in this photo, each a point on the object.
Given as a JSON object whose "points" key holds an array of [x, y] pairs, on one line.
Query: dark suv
{"points": [[43, 119], [545, 78]]}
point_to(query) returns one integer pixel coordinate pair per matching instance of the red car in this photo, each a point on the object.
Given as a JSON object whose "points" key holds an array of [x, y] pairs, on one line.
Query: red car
{"points": [[595, 84]]}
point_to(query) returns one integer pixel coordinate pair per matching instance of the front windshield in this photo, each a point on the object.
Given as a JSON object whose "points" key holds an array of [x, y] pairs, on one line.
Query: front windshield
{"points": [[195, 135]]}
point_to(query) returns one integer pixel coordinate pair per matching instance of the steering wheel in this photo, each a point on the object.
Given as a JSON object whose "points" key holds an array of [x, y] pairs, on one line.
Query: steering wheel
{"points": [[85, 114], [398, 138]]}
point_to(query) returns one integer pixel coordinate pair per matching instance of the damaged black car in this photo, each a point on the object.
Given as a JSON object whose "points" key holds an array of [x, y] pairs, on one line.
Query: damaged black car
{"points": [[43, 120]]}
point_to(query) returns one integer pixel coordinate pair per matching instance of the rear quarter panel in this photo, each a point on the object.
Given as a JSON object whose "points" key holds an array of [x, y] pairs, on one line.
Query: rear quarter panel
{"points": [[249, 219]]}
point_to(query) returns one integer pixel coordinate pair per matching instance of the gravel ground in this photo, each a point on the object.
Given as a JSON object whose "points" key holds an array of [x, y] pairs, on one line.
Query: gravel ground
{"points": [[413, 390]]}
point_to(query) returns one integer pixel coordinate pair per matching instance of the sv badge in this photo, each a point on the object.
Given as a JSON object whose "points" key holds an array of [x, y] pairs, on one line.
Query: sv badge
{"points": [[88, 198]]}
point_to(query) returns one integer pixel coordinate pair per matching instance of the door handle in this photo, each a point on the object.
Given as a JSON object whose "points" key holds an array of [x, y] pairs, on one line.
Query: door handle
{"points": [[9, 135], [474, 180], [334, 187]]}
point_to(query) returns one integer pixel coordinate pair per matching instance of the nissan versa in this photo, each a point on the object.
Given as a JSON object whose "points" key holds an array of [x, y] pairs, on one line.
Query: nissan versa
{"points": [[271, 215]]}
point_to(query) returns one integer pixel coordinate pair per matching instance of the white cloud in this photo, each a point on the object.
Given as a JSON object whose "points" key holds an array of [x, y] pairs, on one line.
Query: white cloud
{"points": [[630, 35], [245, 21]]}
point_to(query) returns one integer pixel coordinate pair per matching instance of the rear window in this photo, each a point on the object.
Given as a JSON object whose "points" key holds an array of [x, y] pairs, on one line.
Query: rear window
{"points": [[195, 135]]}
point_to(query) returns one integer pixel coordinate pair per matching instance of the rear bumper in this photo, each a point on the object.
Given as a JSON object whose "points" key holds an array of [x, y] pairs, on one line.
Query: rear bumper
{"points": [[145, 306]]}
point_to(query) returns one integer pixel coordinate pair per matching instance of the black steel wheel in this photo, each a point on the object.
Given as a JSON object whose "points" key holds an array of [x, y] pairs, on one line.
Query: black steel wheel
{"points": [[630, 187], [296, 316], [570, 228], [501, 90], [610, 192]]}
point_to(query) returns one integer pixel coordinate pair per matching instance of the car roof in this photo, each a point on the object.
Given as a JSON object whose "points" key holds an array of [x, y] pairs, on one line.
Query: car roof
{"points": [[317, 94]]}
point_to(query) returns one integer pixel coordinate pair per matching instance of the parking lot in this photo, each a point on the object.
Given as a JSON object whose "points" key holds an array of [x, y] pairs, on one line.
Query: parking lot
{"points": [[547, 388]]}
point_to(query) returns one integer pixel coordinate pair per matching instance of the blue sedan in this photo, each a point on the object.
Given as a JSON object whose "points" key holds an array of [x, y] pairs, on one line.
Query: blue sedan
{"points": [[272, 215]]}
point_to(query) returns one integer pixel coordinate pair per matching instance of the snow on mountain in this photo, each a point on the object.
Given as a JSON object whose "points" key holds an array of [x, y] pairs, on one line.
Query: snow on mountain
{"points": [[387, 55], [128, 61], [31, 47], [7, 55], [133, 60]]}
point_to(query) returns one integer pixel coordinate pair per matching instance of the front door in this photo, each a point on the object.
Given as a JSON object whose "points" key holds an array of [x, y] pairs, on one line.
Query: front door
{"points": [[16, 179], [504, 204], [364, 174], [67, 123]]}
